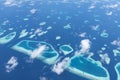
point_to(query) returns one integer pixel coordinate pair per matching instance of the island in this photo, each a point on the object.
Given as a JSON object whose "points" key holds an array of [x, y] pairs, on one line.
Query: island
{"points": [[66, 49], [117, 69], [6, 39], [28, 47], [87, 68]]}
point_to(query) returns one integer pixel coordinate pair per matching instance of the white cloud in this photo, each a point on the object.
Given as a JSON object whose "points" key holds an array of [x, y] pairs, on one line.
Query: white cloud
{"points": [[85, 45], [11, 64], [12, 3], [43, 78], [83, 34], [105, 58], [37, 51], [116, 42], [33, 11], [59, 67]]}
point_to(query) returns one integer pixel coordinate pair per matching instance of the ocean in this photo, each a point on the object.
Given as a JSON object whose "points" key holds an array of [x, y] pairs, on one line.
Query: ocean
{"points": [[59, 22]]}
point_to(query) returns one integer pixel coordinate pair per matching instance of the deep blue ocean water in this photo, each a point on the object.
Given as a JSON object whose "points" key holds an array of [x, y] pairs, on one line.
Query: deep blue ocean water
{"points": [[81, 19]]}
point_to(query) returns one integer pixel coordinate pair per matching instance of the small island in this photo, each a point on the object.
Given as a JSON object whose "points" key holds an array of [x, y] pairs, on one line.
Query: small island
{"points": [[6, 39], [87, 68], [66, 49], [117, 69], [29, 47]]}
